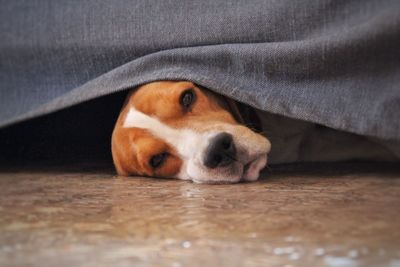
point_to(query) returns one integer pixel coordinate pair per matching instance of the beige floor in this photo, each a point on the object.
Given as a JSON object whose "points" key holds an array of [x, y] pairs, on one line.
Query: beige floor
{"points": [[318, 215]]}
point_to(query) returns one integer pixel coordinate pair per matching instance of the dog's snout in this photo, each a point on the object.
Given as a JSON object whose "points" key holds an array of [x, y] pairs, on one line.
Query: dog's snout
{"points": [[220, 152]]}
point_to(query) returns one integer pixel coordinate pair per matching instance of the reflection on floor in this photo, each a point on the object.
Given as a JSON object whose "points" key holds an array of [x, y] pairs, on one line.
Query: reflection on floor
{"points": [[305, 215]]}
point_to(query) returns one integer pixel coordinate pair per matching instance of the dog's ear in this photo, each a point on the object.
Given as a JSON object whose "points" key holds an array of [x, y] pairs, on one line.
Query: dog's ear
{"points": [[119, 156], [234, 109], [244, 114], [120, 142]]}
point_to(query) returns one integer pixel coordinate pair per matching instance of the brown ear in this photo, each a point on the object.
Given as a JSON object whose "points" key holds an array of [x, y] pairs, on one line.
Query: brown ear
{"points": [[244, 114], [118, 152], [234, 109], [120, 140]]}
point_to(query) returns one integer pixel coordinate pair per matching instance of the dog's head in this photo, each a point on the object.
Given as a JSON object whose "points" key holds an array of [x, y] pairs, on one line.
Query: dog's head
{"points": [[178, 130]]}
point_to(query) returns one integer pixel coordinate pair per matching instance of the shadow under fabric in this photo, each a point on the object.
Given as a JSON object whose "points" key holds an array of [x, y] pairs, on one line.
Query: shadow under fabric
{"points": [[327, 64]]}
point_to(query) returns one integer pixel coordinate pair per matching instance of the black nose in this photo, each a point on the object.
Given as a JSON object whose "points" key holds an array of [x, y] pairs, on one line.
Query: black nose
{"points": [[220, 152]]}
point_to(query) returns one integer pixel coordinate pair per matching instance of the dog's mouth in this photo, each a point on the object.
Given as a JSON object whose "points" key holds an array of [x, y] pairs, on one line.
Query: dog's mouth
{"points": [[243, 170], [246, 169], [252, 169]]}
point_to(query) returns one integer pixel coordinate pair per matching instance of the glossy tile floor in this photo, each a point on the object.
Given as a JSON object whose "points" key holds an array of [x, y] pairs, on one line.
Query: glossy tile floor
{"points": [[313, 215]]}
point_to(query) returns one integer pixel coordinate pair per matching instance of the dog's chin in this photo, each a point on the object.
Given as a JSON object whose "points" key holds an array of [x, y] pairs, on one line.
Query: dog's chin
{"points": [[227, 175], [246, 171]]}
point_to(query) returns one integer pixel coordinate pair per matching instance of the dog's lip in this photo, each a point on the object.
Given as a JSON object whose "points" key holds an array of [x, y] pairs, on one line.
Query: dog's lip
{"points": [[248, 164], [246, 168], [249, 159]]}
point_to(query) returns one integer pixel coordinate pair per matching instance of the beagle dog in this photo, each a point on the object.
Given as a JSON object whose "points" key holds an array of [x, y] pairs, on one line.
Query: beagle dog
{"points": [[176, 129]]}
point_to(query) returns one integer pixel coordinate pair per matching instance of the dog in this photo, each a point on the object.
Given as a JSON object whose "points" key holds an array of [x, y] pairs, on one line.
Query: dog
{"points": [[177, 129]]}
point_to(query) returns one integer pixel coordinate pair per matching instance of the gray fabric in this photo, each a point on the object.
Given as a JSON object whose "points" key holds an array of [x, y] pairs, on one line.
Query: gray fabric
{"points": [[300, 141], [335, 63]]}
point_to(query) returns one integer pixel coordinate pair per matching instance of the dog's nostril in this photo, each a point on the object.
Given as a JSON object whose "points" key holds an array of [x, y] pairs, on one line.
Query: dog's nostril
{"points": [[227, 143], [220, 152]]}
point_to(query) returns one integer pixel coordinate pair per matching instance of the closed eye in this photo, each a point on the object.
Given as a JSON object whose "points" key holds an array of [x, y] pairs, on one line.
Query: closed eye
{"points": [[158, 160], [187, 98]]}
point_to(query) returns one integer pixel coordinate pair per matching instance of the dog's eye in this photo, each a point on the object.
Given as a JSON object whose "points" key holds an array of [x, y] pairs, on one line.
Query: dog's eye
{"points": [[158, 160], [187, 99]]}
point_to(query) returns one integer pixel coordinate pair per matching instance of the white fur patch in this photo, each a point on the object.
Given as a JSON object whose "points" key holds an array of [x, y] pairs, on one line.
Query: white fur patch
{"points": [[138, 119], [188, 143]]}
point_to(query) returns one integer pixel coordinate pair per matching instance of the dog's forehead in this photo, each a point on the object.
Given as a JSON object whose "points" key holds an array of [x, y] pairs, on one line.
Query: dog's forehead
{"points": [[183, 141], [156, 108], [139, 120]]}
